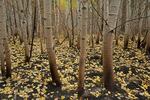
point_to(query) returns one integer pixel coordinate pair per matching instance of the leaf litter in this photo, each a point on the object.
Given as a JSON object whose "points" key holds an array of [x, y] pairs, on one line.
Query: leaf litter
{"points": [[33, 80]]}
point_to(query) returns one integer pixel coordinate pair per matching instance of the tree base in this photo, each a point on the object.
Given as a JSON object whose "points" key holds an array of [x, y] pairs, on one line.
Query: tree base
{"points": [[58, 84], [27, 59], [80, 91], [8, 75]]}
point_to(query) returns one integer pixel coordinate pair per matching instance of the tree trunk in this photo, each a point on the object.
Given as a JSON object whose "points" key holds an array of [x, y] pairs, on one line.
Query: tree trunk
{"points": [[108, 60], [82, 49], [72, 23], [127, 25], [79, 24], [4, 41], [7, 58], [2, 59], [100, 22], [49, 42], [111, 9], [22, 12], [148, 35]]}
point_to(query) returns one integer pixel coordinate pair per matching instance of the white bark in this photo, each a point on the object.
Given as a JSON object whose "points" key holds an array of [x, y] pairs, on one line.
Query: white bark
{"points": [[111, 9], [49, 41], [82, 47]]}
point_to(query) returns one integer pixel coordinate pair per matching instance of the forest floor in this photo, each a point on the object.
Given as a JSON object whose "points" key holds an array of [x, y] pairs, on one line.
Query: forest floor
{"points": [[33, 80]]}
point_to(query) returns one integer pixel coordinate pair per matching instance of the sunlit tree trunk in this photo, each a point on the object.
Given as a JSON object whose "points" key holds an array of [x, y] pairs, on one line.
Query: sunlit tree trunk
{"points": [[49, 42]]}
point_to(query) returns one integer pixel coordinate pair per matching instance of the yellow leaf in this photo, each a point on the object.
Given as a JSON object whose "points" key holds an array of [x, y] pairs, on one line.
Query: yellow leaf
{"points": [[62, 97], [42, 98]]}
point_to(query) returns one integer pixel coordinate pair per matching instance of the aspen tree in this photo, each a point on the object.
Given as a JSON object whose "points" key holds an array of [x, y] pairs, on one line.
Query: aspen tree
{"points": [[18, 20], [49, 41], [100, 8], [41, 19], [148, 35], [111, 8], [72, 24], [5, 53], [82, 48], [79, 24], [127, 25], [2, 30], [23, 23], [2, 59]]}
